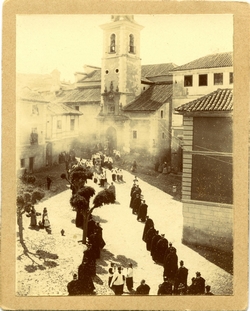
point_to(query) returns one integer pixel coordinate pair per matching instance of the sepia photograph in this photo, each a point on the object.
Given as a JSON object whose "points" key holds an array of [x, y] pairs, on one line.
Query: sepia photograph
{"points": [[124, 163]]}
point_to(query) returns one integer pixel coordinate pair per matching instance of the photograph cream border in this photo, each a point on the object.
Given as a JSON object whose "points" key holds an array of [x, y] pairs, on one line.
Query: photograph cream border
{"points": [[241, 13]]}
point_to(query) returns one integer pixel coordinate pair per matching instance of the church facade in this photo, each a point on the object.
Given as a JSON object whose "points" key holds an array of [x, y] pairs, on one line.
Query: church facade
{"points": [[134, 108]]}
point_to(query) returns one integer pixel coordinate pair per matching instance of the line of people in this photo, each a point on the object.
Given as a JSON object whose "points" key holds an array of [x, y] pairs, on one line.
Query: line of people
{"points": [[137, 202], [174, 277]]}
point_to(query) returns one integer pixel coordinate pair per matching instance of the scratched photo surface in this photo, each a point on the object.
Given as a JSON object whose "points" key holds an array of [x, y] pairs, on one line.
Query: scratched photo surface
{"points": [[124, 161]]}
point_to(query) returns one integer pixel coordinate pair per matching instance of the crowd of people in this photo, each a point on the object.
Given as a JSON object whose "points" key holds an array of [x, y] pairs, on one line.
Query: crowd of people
{"points": [[161, 250], [164, 253]]}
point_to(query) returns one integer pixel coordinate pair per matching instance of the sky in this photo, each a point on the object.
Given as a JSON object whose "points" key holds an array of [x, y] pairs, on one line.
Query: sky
{"points": [[68, 42]]}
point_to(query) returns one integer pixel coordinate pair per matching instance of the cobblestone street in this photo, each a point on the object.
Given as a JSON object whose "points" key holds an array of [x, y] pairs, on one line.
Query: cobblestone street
{"points": [[49, 274]]}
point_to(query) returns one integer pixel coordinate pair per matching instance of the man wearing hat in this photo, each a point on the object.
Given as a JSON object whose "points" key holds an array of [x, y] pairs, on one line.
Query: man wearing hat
{"points": [[142, 289], [165, 288], [181, 276], [148, 224], [199, 284]]}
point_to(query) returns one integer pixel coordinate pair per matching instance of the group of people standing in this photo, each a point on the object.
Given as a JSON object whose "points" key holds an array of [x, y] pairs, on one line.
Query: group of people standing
{"points": [[137, 202], [165, 254], [117, 279]]}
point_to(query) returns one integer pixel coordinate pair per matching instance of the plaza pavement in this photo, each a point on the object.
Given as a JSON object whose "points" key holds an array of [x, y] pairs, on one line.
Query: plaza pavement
{"points": [[123, 236]]}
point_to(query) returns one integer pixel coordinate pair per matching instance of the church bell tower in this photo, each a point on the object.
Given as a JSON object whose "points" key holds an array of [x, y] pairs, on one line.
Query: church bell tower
{"points": [[121, 63]]}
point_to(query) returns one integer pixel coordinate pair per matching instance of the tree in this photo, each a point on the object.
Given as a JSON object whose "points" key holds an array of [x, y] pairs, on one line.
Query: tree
{"points": [[80, 201], [24, 203], [81, 195]]}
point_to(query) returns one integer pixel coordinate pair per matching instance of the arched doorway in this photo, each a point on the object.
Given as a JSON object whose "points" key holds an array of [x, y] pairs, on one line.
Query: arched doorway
{"points": [[111, 140]]}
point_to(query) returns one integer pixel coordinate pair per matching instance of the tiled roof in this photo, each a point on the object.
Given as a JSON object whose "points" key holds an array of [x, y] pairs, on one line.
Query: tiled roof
{"points": [[209, 61], [27, 94], [146, 71], [59, 108], [82, 95], [93, 76], [156, 70], [220, 100], [152, 99]]}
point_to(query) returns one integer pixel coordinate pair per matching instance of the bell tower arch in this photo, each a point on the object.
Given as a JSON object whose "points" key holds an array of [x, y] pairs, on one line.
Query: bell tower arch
{"points": [[121, 63]]}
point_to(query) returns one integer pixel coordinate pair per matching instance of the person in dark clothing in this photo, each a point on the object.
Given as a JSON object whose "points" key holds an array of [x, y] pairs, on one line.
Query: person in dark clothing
{"points": [[73, 287], [154, 242], [167, 252], [91, 226], [131, 194], [171, 265], [161, 247], [136, 191], [142, 212], [191, 290], [89, 257], [199, 284], [149, 236], [99, 235], [136, 204], [142, 289], [148, 224], [208, 288], [94, 241], [111, 272], [181, 277], [86, 283], [134, 166], [165, 288], [49, 181]]}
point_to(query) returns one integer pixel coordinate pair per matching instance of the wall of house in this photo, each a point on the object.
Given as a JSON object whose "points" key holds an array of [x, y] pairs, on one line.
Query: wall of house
{"points": [[25, 152], [27, 120], [205, 223]]}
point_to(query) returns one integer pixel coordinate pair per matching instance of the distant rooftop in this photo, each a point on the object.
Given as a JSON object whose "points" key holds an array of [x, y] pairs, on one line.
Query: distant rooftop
{"points": [[152, 99], [209, 61], [220, 100]]}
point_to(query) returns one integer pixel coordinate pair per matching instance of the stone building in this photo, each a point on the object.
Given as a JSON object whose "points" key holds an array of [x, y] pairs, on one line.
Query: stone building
{"points": [[191, 81], [207, 179], [125, 105], [44, 128]]}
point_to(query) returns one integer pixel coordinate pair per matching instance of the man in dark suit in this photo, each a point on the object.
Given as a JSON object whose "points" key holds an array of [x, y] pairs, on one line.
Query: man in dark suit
{"points": [[181, 277], [199, 284], [165, 288], [143, 289]]}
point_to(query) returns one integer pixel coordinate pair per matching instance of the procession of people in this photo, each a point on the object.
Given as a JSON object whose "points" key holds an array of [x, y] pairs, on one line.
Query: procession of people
{"points": [[121, 278]]}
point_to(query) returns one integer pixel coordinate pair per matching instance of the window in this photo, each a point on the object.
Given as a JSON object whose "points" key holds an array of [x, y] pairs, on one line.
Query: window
{"points": [[162, 114], [35, 110], [34, 136], [22, 163], [203, 80], [131, 44], [134, 134], [72, 124], [112, 43], [163, 135], [231, 78], [77, 108], [59, 124], [188, 80], [218, 78]]}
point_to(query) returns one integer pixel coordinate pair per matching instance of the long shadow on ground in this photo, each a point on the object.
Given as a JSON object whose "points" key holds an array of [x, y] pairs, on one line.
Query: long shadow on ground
{"points": [[224, 260], [106, 257]]}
